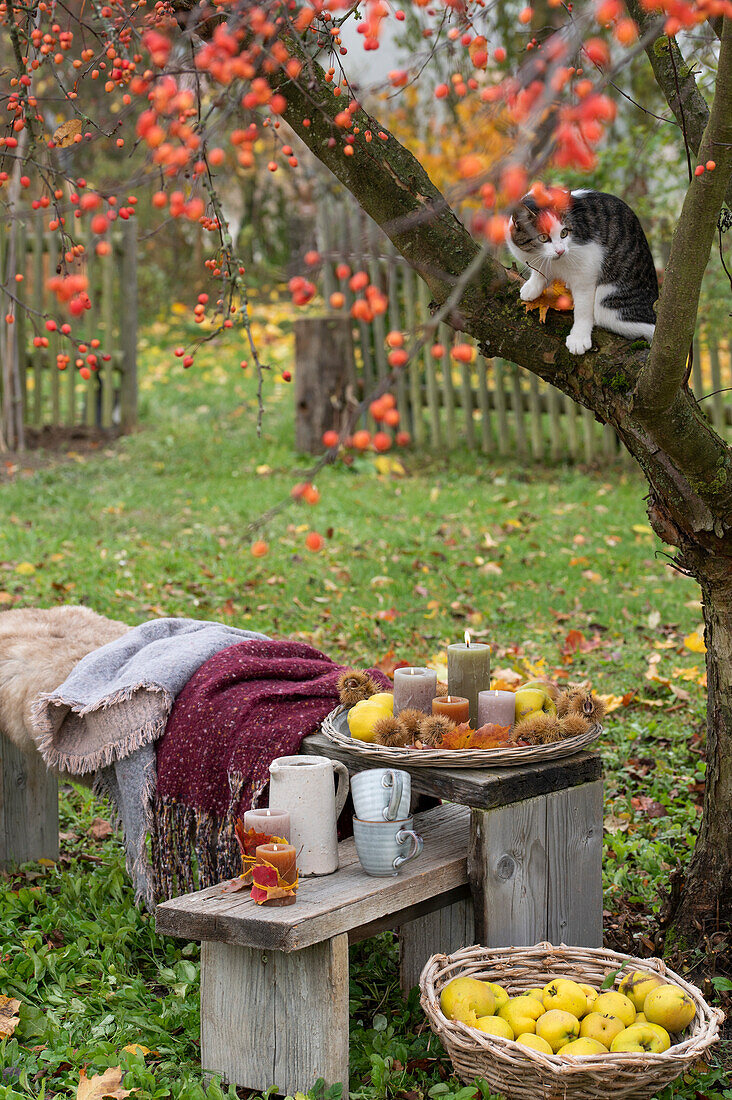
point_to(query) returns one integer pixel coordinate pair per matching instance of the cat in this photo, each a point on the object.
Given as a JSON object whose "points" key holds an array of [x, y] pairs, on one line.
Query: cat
{"points": [[597, 248]]}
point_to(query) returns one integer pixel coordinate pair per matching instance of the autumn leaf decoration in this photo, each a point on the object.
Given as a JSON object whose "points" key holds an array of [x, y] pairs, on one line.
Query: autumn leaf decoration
{"points": [[267, 884], [248, 841], [465, 737], [108, 1083], [556, 296]]}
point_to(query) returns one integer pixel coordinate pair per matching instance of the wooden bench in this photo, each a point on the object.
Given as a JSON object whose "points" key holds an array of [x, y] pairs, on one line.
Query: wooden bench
{"points": [[274, 981]]}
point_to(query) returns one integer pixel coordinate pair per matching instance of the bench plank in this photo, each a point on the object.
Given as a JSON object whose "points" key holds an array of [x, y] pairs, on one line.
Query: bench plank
{"points": [[482, 788], [275, 1020], [28, 807], [332, 904]]}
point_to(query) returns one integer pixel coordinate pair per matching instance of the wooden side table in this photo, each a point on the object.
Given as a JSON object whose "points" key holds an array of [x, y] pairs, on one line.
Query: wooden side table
{"points": [[535, 853]]}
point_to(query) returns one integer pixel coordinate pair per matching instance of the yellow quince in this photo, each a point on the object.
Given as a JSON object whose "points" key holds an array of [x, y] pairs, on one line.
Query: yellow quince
{"points": [[363, 717]]}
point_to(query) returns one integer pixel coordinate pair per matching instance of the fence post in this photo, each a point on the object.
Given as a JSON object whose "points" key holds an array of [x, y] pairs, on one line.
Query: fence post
{"points": [[128, 326], [324, 371]]}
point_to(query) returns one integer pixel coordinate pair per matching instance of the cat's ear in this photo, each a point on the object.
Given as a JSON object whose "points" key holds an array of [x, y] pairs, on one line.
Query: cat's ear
{"points": [[531, 211]]}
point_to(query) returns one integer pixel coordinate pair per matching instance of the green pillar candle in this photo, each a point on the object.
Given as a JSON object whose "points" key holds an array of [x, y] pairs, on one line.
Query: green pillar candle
{"points": [[469, 672]]}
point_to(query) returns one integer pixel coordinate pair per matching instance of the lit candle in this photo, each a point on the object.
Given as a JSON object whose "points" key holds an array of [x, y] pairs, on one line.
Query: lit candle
{"points": [[497, 708], [414, 687], [469, 671], [283, 858], [270, 822], [452, 706]]}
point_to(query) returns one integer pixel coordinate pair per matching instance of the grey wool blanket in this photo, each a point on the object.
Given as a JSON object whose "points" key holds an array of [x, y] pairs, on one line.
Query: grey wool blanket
{"points": [[110, 710]]}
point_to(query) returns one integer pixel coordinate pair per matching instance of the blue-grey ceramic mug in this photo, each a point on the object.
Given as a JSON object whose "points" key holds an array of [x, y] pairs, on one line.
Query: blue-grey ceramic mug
{"points": [[384, 847], [381, 794]]}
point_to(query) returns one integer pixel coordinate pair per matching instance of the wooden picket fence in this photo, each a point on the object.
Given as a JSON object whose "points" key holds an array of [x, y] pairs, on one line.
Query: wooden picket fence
{"points": [[489, 405], [34, 393]]}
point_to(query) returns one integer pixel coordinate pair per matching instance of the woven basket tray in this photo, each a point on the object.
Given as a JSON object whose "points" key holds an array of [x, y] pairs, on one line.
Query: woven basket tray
{"points": [[335, 727], [522, 1073]]}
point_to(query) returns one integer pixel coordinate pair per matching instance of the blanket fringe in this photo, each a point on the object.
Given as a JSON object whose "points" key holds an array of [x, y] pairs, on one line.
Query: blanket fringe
{"points": [[44, 731], [192, 849]]}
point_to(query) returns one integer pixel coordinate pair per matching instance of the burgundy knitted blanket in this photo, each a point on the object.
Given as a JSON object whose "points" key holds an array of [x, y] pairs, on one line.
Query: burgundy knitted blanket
{"points": [[244, 707]]}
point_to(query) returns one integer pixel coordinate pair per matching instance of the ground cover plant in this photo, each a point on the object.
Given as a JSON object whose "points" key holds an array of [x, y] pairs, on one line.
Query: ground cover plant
{"points": [[556, 567]]}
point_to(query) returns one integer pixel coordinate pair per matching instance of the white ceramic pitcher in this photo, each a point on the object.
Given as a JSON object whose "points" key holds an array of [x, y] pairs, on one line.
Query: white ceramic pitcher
{"points": [[304, 787]]}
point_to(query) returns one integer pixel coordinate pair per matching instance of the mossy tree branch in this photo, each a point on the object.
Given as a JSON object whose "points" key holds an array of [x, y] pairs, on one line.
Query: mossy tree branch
{"points": [[676, 80], [663, 374]]}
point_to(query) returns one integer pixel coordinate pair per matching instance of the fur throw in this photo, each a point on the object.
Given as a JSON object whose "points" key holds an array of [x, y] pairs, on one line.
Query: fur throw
{"points": [[38, 650]]}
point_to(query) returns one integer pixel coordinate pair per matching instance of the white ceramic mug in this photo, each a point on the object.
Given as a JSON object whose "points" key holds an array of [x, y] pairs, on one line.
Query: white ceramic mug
{"points": [[384, 847], [381, 794], [304, 787]]}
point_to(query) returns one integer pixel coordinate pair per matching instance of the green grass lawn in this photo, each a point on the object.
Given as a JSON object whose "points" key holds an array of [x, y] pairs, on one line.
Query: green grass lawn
{"points": [[158, 523]]}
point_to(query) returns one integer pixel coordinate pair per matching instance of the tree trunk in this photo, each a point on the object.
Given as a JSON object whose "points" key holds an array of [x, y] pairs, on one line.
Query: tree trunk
{"points": [[706, 903]]}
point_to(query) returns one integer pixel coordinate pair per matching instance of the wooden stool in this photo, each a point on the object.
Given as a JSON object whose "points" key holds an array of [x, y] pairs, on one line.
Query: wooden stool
{"points": [[28, 807]]}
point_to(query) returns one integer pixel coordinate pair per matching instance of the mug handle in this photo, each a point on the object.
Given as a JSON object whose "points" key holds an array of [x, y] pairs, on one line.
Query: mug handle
{"points": [[417, 846], [343, 786], [390, 811]]}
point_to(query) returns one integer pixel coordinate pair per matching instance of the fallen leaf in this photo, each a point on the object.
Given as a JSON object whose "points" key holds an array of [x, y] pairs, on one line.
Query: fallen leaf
{"points": [[137, 1048], [100, 829], [25, 568], [389, 663], [555, 296], [505, 679], [616, 823], [458, 737], [9, 1018], [108, 1083], [693, 641], [489, 736], [66, 133], [649, 806]]}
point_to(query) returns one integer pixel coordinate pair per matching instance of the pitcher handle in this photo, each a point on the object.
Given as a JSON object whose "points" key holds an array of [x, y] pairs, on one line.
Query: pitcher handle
{"points": [[417, 846], [343, 786], [390, 811]]}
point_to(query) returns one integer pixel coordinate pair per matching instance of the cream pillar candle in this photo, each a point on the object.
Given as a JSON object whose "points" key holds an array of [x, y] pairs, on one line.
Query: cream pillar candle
{"points": [[414, 687], [469, 672], [271, 822]]}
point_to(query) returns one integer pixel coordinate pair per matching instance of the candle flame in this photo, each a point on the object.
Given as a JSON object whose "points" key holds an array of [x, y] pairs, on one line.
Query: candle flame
{"points": [[449, 700], [412, 672], [275, 848], [467, 638], [268, 813]]}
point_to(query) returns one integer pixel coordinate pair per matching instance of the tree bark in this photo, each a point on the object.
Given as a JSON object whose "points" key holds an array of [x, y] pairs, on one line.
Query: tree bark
{"points": [[706, 900]]}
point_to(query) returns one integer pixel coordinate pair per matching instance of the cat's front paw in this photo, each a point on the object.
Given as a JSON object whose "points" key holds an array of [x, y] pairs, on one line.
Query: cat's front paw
{"points": [[531, 290], [578, 342]]}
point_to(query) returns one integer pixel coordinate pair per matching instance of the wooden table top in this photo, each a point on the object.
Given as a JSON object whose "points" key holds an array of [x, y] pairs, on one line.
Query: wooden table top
{"points": [[481, 788]]}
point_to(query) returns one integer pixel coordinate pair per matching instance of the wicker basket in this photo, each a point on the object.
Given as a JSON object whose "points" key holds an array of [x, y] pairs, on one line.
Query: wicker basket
{"points": [[335, 728], [522, 1073]]}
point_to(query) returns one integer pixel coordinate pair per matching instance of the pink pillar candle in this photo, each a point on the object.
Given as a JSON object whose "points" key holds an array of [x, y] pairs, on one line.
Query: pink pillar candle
{"points": [[271, 822], [415, 688], [496, 708]]}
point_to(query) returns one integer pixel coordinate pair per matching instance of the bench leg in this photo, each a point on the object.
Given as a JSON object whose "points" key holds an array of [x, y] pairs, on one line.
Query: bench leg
{"points": [[274, 1019], [535, 870], [28, 807], [441, 932]]}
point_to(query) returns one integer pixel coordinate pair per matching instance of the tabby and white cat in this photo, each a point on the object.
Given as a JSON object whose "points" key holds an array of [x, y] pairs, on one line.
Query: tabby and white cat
{"points": [[597, 248]]}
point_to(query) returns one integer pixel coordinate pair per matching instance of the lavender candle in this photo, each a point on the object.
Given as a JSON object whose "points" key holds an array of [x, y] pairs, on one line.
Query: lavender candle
{"points": [[414, 687], [497, 708]]}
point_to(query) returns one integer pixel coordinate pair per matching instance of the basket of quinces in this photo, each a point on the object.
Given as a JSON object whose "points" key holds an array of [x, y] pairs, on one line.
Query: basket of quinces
{"points": [[571, 1022]]}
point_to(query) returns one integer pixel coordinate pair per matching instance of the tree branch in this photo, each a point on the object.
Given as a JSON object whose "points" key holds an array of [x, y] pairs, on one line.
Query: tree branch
{"points": [[676, 81], [663, 374]]}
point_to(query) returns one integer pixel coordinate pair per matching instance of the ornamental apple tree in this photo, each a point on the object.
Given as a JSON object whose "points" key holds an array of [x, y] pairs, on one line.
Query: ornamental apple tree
{"points": [[190, 87]]}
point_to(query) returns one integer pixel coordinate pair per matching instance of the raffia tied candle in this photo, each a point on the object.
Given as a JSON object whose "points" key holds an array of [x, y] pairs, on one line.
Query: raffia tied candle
{"points": [[469, 671], [452, 706], [283, 857], [414, 687]]}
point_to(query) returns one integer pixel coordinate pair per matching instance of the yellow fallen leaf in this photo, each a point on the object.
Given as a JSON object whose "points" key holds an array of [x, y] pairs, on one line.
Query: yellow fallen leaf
{"points": [[137, 1048], [25, 568], [555, 296], [108, 1083], [9, 1019], [695, 642], [386, 465], [66, 133], [642, 529]]}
